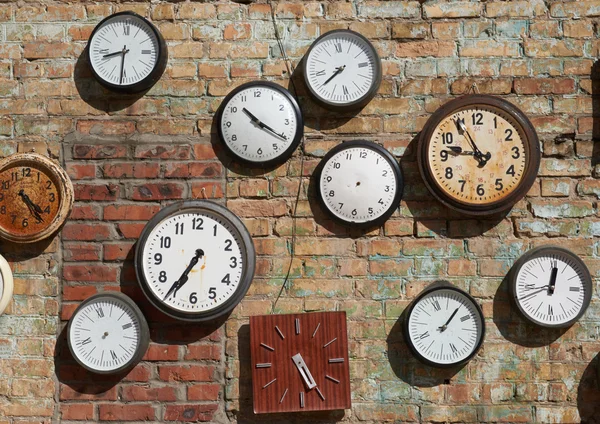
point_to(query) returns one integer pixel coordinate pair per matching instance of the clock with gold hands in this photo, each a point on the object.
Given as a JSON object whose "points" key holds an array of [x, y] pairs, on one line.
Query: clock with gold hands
{"points": [[300, 362], [479, 154]]}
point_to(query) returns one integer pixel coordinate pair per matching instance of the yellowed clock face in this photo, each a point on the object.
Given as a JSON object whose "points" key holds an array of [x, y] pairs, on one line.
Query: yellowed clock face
{"points": [[478, 155]]}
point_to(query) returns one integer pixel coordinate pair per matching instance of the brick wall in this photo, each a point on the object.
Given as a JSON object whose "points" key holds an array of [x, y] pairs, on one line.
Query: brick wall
{"points": [[128, 156]]}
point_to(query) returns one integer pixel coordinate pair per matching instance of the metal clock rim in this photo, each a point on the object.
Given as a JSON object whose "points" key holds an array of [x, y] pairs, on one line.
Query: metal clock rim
{"points": [[435, 286], [536, 252], [531, 142], [356, 104], [142, 346], [286, 154], [152, 77], [387, 156], [8, 284], [245, 281], [63, 184]]}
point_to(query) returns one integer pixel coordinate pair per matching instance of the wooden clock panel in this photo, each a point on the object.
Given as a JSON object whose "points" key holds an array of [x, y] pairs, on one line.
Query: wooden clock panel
{"points": [[322, 340]]}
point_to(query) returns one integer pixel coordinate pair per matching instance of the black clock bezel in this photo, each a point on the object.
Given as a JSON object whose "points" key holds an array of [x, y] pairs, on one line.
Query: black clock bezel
{"points": [[546, 250], [248, 254], [442, 285], [152, 77], [358, 103], [144, 341], [531, 143], [387, 156], [285, 154]]}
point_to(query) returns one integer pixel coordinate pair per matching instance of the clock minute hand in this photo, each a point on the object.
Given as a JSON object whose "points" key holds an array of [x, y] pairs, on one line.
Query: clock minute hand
{"points": [[261, 124], [124, 52], [460, 123], [304, 371], [114, 54], [184, 277], [338, 71], [34, 209]]}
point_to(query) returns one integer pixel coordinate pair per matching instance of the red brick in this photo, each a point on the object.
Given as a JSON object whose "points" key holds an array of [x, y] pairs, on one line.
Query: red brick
{"points": [[86, 232], [100, 192], [130, 231], [131, 170], [106, 127], [204, 392], [185, 372], [78, 292], [85, 212], [77, 411], [130, 212], [73, 252], [544, 85], [163, 152], [118, 251], [81, 171], [104, 151], [113, 412], [100, 393], [203, 352], [191, 412], [142, 393], [89, 273], [162, 353], [158, 191]]}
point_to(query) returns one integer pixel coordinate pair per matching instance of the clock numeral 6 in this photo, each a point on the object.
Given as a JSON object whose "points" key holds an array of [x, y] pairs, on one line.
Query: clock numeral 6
{"points": [[354, 212], [480, 190], [259, 151], [193, 298], [212, 293], [25, 223]]}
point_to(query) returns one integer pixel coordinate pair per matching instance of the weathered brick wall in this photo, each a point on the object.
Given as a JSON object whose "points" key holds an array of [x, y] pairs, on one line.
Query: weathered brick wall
{"points": [[128, 156]]}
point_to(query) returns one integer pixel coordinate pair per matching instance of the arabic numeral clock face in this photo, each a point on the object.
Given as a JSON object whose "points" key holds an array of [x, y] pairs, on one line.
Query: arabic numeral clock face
{"points": [[260, 123], [108, 333], [444, 326], [360, 182], [36, 197], [127, 53], [551, 286], [479, 154], [342, 70], [195, 260]]}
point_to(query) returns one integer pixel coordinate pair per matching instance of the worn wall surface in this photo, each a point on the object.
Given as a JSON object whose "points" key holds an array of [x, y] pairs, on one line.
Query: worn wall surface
{"points": [[128, 156]]}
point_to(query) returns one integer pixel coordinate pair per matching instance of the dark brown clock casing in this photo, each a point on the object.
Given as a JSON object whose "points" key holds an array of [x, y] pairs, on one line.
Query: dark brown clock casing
{"points": [[322, 340]]}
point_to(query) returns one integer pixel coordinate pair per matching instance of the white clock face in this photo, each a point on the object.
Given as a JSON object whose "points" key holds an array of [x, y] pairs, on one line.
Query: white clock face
{"points": [[551, 287], [445, 326], [104, 334], [124, 50], [193, 261], [259, 123], [342, 67], [358, 184]]}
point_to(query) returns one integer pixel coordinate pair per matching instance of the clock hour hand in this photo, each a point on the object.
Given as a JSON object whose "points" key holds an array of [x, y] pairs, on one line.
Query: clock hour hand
{"points": [[553, 275], [184, 277], [124, 52], [338, 71], [462, 128], [304, 371], [262, 125], [445, 326], [34, 209], [114, 54]]}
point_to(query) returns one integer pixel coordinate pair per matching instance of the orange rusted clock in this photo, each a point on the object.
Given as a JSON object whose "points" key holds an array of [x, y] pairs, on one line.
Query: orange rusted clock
{"points": [[479, 154], [36, 197]]}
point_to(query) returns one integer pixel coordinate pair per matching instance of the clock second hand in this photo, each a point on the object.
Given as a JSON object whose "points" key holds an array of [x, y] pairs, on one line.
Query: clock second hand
{"points": [[261, 124], [184, 277]]}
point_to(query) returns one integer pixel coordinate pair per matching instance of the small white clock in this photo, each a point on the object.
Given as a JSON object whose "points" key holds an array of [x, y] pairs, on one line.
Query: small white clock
{"points": [[127, 53], [444, 326], [360, 183], [260, 123], [342, 70], [195, 260], [108, 333], [551, 286], [6, 284]]}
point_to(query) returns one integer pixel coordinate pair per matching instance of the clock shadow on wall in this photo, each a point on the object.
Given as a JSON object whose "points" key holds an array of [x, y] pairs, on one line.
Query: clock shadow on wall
{"points": [[595, 80], [588, 393]]}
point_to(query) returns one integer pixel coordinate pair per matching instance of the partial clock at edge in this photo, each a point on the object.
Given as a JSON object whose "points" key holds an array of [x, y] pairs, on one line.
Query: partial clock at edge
{"points": [[550, 286], [479, 154], [359, 183], [127, 53], [6, 284], [195, 260]]}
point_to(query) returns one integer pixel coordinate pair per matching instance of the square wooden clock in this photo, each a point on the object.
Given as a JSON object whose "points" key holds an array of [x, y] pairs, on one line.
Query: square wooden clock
{"points": [[300, 362]]}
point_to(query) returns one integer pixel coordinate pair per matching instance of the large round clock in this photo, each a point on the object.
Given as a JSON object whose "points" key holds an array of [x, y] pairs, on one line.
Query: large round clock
{"points": [[260, 123], [108, 333], [36, 197], [342, 70], [444, 326], [359, 182], [551, 286], [127, 53], [195, 260], [6, 284], [479, 154]]}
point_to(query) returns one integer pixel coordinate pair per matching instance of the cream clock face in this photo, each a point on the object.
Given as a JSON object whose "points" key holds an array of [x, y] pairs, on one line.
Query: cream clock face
{"points": [[6, 284]]}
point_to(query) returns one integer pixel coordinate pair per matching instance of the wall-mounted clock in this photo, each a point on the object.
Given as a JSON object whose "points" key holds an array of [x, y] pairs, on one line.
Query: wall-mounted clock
{"points": [[551, 286], [359, 183], [127, 53], [444, 326], [479, 154], [36, 197], [260, 123], [108, 333], [342, 70], [300, 362], [6, 284], [195, 260]]}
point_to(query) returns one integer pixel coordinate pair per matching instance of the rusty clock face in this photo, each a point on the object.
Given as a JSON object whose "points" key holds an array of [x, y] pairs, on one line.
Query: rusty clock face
{"points": [[36, 197], [479, 154], [300, 362]]}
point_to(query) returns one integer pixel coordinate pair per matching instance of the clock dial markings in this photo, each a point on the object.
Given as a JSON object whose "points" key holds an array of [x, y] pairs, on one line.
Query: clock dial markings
{"points": [[316, 329], [272, 349], [328, 343], [269, 383], [297, 325], [264, 365], [301, 399], [335, 380], [283, 395], [280, 333], [320, 394], [336, 360]]}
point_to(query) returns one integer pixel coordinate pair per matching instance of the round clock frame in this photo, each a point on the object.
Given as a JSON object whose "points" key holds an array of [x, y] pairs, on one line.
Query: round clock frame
{"points": [[379, 150], [154, 75], [361, 101], [6, 284], [247, 252], [442, 286], [142, 345], [65, 192], [526, 131], [545, 251], [293, 144]]}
